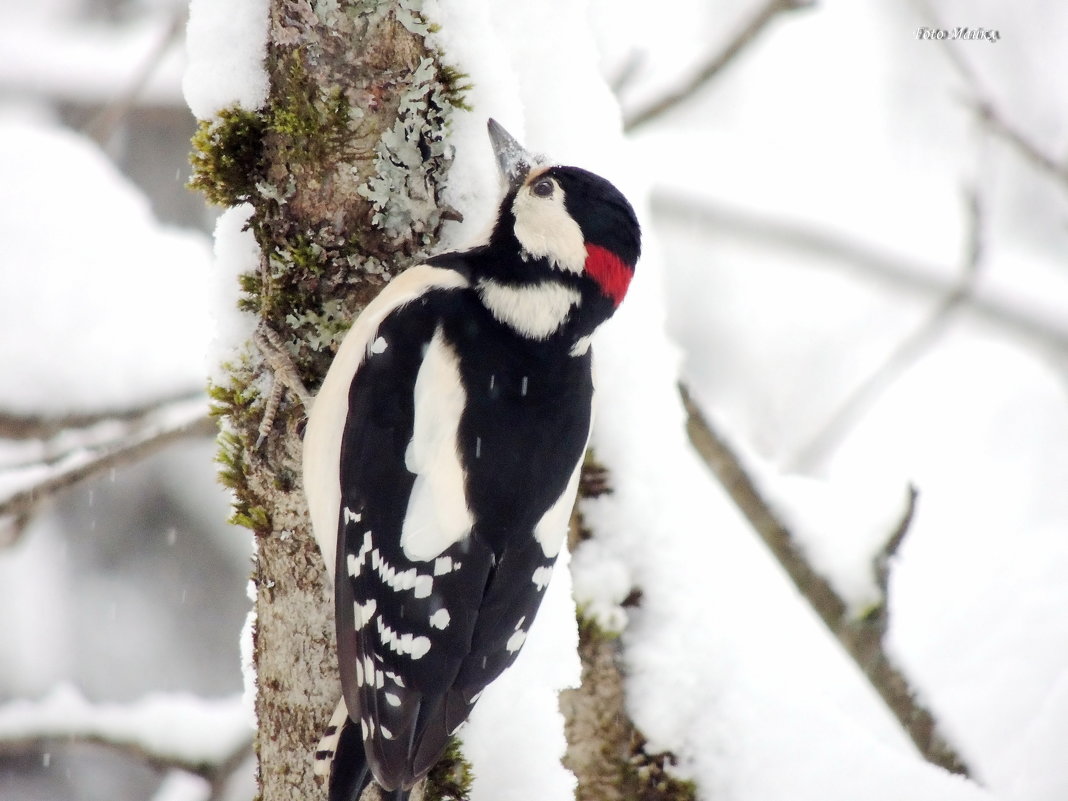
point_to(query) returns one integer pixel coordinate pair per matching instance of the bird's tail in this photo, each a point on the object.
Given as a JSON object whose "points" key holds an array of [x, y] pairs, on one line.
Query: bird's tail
{"points": [[341, 760]]}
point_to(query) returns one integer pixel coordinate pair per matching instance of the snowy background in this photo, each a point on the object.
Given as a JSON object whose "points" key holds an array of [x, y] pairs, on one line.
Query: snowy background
{"points": [[807, 214]]}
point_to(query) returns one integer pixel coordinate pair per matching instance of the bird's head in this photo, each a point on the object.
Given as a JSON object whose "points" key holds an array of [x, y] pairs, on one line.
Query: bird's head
{"points": [[568, 225]]}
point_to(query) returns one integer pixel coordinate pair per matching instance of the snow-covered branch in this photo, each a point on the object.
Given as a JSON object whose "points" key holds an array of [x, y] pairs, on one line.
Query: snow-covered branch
{"points": [[37, 426], [862, 637], [71, 455], [207, 738], [715, 63]]}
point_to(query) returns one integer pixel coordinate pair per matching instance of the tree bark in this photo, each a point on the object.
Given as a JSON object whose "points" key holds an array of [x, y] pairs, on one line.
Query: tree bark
{"points": [[342, 168]]}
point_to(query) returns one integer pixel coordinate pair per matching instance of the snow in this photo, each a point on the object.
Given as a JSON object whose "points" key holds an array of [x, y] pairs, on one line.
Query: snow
{"points": [[179, 786], [246, 644], [225, 44], [107, 305], [177, 726], [236, 252]]}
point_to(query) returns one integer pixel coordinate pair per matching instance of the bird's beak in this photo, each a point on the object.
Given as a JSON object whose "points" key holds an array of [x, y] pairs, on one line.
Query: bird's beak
{"points": [[512, 159]]}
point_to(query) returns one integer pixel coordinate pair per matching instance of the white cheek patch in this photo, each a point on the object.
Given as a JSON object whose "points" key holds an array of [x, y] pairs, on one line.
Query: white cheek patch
{"points": [[546, 231]]}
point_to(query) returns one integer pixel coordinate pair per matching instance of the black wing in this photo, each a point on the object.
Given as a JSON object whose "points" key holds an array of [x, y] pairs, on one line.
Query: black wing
{"points": [[404, 624]]}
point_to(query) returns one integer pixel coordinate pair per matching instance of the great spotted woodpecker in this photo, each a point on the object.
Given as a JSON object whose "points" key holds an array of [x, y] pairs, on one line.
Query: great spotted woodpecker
{"points": [[441, 462]]}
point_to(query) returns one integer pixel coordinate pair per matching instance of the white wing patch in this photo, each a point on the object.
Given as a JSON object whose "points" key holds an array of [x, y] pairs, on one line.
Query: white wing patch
{"points": [[535, 311], [515, 642], [355, 562], [326, 419], [438, 515], [404, 644], [551, 529], [440, 619], [541, 577], [362, 614]]}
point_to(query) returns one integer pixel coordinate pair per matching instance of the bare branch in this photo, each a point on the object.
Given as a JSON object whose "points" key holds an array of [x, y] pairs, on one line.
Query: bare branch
{"points": [[861, 638], [896, 273], [715, 64], [164, 425]]}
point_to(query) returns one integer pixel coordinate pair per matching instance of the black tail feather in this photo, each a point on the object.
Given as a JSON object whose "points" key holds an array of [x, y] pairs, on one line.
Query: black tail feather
{"points": [[348, 772]]}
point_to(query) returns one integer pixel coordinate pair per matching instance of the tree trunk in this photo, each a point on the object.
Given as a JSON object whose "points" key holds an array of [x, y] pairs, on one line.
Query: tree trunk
{"points": [[342, 168]]}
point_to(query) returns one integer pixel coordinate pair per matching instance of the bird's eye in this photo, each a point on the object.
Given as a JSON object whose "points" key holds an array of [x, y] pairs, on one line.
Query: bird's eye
{"points": [[543, 188]]}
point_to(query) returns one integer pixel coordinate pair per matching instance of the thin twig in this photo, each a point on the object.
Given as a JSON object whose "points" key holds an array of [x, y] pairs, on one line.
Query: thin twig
{"points": [[987, 111], [836, 251], [889, 550], [170, 423], [907, 352], [1006, 131], [862, 638], [104, 122], [715, 64]]}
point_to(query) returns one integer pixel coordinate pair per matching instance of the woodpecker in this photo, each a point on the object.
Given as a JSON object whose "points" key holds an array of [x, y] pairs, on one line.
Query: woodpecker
{"points": [[441, 462]]}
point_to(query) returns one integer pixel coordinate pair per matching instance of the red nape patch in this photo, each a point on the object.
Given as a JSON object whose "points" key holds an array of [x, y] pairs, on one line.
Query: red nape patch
{"points": [[609, 271]]}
